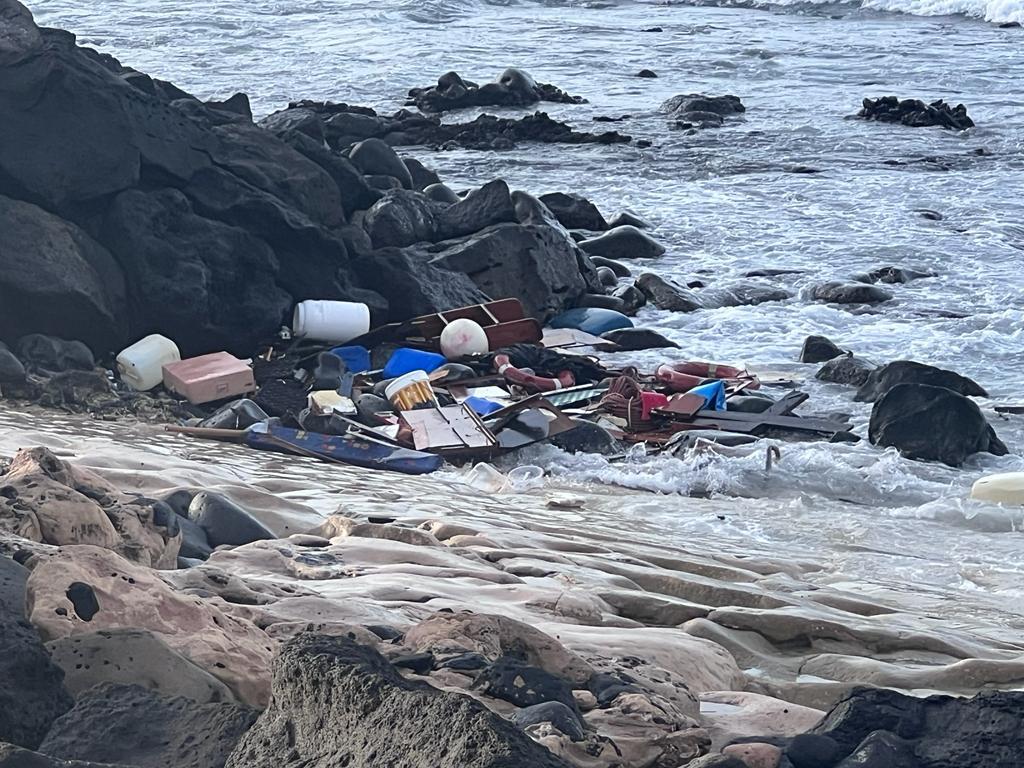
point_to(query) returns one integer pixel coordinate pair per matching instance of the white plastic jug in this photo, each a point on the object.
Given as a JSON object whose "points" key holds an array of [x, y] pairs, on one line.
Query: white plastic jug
{"points": [[141, 365], [332, 321]]}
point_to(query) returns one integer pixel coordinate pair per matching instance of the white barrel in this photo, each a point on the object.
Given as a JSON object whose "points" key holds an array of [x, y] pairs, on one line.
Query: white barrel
{"points": [[141, 365], [1007, 488], [332, 321], [463, 337]]}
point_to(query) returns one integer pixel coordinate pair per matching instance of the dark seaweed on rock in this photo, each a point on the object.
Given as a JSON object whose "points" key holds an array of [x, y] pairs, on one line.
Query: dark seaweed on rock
{"points": [[916, 113]]}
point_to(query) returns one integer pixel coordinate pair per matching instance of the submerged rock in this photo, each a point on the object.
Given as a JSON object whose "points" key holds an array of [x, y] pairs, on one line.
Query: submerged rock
{"points": [[845, 370], [933, 424], [893, 275], [667, 295], [849, 293], [635, 339], [625, 242], [128, 724], [818, 349], [916, 113], [889, 375], [338, 703], [699, 111]]}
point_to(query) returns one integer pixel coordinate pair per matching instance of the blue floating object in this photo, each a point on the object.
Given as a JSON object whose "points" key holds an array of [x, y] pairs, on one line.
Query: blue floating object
{"points": [[713, 394], [481, 406], [357, 359], [592, 320], [406, 360]]}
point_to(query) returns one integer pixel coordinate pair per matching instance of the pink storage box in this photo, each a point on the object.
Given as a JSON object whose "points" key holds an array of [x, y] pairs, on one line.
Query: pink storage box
{"points": [[204, 379]]}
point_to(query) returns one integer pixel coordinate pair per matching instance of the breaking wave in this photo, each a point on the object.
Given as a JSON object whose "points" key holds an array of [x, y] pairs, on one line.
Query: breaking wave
{"points": [[995, 11]]}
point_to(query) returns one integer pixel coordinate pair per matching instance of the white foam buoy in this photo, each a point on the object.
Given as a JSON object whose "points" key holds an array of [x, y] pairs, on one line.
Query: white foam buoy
{"points": [[1006, 488], [463, 337]]}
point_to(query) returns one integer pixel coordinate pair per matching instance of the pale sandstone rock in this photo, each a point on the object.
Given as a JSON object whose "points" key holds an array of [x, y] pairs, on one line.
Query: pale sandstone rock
{"points": [[730, 715], [649, 730], [463, 540], [442, 530], [337, 526], [133, 657], [234, 651], [51, 501]]}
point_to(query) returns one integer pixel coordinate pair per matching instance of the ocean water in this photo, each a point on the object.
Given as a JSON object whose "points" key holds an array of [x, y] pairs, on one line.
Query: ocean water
{"points": [[724, 202]]}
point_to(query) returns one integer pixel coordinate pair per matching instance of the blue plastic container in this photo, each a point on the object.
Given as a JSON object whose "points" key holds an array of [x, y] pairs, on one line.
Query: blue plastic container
{"points": [[481, 406], [592, 320], [357, 359], [713, 394], [404, 360]]}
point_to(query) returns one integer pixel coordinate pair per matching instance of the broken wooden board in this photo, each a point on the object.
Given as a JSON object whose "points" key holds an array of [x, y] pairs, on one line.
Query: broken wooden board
{"points": [[448, 428]]}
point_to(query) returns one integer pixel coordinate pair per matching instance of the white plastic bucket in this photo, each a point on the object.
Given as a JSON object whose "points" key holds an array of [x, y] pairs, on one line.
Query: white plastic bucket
{"points": [[141, 365], [410, 390], [332, 321]]}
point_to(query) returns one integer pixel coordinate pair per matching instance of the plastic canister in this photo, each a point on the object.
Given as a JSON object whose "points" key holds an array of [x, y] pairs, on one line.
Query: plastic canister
{"points": [[410, 391], [141, 366], [332, 321], [405, 360]]}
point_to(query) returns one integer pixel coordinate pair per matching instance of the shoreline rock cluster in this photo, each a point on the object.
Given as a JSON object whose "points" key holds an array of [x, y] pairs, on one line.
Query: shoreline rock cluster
{"points": [[354, 642]]}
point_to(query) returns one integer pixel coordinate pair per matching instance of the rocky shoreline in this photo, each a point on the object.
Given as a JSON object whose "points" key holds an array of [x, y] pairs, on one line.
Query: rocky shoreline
{"points": [[345, 636], [399, 628]]}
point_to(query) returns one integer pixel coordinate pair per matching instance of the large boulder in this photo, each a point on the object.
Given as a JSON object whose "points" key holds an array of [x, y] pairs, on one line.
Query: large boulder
{"points": [[574, 211], [933, 732], [32, 693], [205, 284], [80, 132], [336, 703], [884, 378], [932, 423], [129, 724], [414, 285], [54, 277], [490, 204], [535, 263], [356, 194], [400, 218]]}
